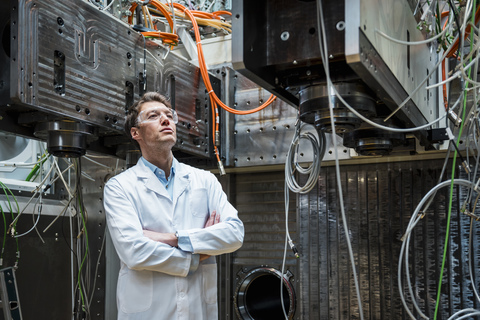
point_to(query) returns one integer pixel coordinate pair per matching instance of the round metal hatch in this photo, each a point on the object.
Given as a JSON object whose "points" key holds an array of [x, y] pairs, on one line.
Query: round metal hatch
{"points": [[258, 295]]}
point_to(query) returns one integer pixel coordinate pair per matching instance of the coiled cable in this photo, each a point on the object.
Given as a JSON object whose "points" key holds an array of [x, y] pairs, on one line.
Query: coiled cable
{"points": [[292, 165]]}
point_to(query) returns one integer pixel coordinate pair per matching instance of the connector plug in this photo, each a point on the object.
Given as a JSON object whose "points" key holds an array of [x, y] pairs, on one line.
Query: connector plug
{"points": [[456, 120], [294, 249], [465, 166], [221, 168], [472, 215]]}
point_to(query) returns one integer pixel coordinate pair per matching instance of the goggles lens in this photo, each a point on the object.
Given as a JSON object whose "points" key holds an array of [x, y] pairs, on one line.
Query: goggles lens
{"points": [[155, 114]]}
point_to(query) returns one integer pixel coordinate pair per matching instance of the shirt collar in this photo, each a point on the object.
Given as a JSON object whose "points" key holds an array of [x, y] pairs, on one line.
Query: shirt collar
{"points": [[157, 171]]}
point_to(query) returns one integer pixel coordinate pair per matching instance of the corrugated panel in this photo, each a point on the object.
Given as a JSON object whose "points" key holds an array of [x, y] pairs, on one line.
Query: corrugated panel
{"points": [[260, 203], [379, 200]]}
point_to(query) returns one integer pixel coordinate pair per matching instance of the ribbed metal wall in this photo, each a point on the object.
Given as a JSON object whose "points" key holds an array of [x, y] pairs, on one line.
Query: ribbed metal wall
{"points": [[379, 201], [260, 202]]}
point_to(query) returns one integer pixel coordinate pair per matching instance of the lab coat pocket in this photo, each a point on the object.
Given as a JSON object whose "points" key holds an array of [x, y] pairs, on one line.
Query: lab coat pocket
{"points": [[135, 291], [209, 273], [199, 203]]}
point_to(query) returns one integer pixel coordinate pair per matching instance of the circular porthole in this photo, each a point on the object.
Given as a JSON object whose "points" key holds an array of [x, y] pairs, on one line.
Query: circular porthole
{"points": [[258, 295]]}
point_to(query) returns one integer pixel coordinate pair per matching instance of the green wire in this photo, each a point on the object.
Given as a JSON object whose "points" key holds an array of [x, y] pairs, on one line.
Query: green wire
{"points": [[34, 171], [4, 235], [5, 188], [79, 199], [450, 202], [86, 251]]}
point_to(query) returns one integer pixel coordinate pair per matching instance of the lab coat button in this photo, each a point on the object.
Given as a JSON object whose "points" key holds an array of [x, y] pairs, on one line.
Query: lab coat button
{"points": [[182, 295]]}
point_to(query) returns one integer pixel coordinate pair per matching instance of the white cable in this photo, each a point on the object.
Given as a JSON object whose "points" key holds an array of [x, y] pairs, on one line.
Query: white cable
{"points": [[472, 312], [63, 180], [96, 162], [385, 127], [313, 170], [470, 256], [287, 239], [39, 187], [58, 175], [97, 264], [59, 215], [6, 164], [421, 84], [34, 225], [40, 209], [86, 175], [415, 218], [72, 265], [211, 5], [173, 16], [456, 75], [324, 52], [109, 5], [408, 43]]}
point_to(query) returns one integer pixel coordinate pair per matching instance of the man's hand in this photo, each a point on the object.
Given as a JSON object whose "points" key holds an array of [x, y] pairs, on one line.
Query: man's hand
{"points": [[213, 219], [171, 239], [204, 257], [167, 238]]}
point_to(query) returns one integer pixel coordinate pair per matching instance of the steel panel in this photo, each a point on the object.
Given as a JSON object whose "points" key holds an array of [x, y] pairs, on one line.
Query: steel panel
{"points": [[263, 138], [73, 60], [96, 68], [393, 70], [355, 52]]}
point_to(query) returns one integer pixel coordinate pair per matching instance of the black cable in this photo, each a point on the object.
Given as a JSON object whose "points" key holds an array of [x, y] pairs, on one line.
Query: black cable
{"points": [[455, 15]]}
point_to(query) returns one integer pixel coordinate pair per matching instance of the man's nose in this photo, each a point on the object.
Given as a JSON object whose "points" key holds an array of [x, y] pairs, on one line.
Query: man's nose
{"points": [[163, 118]]}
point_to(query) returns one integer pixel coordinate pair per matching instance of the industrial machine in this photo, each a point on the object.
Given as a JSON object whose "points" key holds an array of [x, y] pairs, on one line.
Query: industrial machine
{"points": [[327, 123]]}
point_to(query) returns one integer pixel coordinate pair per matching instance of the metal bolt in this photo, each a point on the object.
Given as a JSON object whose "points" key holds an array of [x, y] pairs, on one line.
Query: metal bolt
{"points": [[340, 25]]}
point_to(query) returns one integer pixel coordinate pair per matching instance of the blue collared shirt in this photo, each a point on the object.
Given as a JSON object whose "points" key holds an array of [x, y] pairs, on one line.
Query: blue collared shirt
{"points": [[184, 242]]}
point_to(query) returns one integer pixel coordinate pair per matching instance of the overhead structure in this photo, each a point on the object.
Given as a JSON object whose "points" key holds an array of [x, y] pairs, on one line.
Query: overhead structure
{"points": [[65, 78], [277, 44]]}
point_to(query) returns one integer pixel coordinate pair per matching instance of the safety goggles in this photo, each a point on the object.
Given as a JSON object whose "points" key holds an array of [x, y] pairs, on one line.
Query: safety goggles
{"points": [[156, 114]]}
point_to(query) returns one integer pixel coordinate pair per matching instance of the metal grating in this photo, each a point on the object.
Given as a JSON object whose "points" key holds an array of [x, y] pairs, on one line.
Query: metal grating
{"points": [[379, 200]]}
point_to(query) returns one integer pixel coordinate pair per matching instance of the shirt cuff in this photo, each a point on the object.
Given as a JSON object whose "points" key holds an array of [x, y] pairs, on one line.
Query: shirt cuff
{"points": [[184, 242], [194, 263]]}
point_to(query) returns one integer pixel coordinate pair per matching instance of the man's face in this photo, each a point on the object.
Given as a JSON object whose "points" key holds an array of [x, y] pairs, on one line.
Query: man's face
{"points": [[155, 126]]}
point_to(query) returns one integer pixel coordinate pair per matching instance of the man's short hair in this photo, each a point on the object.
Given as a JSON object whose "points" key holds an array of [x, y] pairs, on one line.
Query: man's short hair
{"points": [[132, 112]]}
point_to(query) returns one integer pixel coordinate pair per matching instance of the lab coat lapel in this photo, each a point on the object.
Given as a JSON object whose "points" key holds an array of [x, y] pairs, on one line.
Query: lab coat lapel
{"points": [[182, 181], [151, 181]]}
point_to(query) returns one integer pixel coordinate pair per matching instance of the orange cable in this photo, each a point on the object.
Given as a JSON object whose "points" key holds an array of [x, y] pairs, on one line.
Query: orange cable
{"points": [[220, 12], [206, 79], [445, 99], [167, 37], [455, 45]]}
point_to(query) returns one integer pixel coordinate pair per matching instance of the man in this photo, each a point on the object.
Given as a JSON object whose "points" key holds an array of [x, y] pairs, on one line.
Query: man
{"points": [[167, 221]]}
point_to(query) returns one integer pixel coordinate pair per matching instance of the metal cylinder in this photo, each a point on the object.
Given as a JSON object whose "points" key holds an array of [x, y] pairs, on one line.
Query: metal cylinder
{"points": [[65, 138]]}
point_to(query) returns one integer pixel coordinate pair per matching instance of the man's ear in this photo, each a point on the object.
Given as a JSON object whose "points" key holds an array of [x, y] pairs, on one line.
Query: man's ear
{"points": [[134, 133]]}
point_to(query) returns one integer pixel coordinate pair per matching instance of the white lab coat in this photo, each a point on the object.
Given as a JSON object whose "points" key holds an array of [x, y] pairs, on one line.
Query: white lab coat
{"points": [[153, 282]]}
